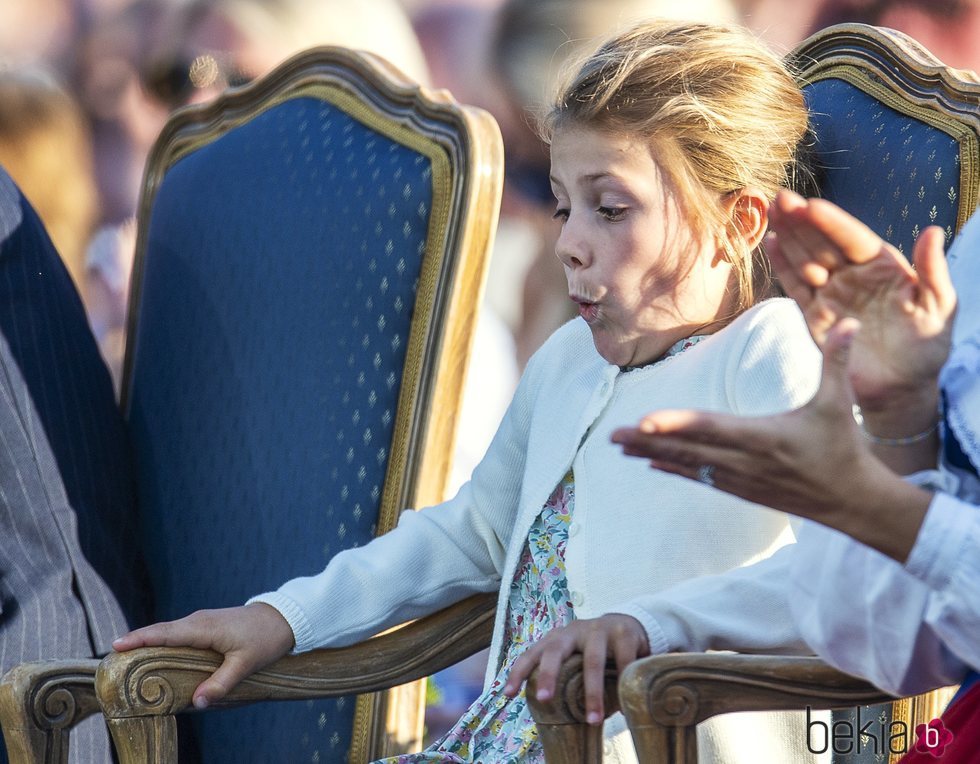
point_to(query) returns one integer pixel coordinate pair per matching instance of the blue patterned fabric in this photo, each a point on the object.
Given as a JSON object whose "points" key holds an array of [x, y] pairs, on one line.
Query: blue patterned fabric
{"points": [[896, 173], [279, 283]]}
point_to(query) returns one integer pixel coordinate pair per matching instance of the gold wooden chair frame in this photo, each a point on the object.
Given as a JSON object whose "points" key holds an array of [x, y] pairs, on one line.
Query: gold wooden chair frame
{"points": [[139, 692], [664, 697]]}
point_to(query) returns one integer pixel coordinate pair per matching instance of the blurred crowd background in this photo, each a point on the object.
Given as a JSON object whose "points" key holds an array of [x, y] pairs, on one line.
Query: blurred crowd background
{"points": [[87, 85]]}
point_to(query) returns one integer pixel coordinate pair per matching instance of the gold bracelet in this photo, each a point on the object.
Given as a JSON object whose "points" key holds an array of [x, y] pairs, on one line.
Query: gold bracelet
{"points": [[906, 441]]}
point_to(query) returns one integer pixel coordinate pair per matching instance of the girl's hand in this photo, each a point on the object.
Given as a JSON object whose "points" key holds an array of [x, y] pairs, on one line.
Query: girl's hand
{"points": [[249, 637], [834, 267], [812, 462], [617, 634]]}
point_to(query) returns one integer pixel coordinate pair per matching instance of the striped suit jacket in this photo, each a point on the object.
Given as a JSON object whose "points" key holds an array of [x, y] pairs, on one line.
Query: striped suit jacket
{"points": [[70, 573]]}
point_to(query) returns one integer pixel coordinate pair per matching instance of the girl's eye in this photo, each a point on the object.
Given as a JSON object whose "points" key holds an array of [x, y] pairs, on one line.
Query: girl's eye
{"points": [[612, 214], [561, 214]]}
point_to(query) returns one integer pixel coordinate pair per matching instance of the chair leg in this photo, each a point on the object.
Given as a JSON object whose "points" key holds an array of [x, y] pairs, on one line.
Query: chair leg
{"points": [[40, 703], [662, 721], [660, 743], [570, 743], [565, 735], [145, 739]]}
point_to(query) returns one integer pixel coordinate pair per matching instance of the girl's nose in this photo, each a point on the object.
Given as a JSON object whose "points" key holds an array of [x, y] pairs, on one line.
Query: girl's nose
{"points": [[570, 247]]}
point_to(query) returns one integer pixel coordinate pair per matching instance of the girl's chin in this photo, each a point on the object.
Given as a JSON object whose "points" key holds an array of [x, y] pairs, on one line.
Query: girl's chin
{"points": [[617, 353], [624, 352]]}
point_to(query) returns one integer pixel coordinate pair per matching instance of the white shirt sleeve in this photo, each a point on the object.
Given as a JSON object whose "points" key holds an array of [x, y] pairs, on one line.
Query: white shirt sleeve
{"points": [[746, 609], [946, 558], [864, 613]]}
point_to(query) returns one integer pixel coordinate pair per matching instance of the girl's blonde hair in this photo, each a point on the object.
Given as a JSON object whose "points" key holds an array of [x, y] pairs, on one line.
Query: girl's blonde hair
{"points": [[721, 112]]}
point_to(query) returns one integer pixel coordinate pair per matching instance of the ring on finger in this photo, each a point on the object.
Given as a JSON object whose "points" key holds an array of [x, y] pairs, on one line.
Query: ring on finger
{"points": [[706, 474]]}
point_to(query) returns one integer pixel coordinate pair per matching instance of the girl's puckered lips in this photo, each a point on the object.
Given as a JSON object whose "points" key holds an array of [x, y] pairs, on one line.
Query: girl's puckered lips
{"points": [[587, 309]]}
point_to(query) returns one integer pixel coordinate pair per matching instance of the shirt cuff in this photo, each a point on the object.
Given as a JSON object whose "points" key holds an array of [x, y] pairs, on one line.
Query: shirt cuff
{"points": [[297, 620], [947, 529]]}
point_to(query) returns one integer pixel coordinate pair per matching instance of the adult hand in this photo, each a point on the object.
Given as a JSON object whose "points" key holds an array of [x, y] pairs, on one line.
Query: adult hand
{"points": [[812, 462], [249, 637], [616, 634], [834, 267]]}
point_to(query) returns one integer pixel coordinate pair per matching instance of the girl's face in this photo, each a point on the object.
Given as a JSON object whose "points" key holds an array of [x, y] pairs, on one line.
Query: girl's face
{"points": [[641, 276]]}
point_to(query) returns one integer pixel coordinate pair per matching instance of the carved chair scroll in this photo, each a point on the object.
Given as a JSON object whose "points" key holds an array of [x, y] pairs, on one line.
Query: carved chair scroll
{"points": [[896, 141], [310, 258], [40, 703], [664, 697]]}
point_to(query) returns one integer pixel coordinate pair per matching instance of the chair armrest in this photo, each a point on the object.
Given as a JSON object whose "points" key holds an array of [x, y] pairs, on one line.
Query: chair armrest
{"points": [[566, 736], [40, 702], [142, 689], [664, 697]]}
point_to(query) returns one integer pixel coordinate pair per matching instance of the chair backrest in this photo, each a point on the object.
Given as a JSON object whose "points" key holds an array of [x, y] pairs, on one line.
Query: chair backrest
{"points": [[896, 133], [896, 142], [311, 256]]}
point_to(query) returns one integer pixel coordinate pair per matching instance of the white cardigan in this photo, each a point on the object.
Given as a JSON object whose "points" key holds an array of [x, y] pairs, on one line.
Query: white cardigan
{"points": [[635, 530]]}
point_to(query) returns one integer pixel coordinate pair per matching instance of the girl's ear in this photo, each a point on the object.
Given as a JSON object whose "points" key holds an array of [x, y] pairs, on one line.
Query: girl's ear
{"points": [[748, 211]]}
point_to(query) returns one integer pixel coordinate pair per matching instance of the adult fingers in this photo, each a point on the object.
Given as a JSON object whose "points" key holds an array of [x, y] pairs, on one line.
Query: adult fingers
{"points": [[709, 428], [786, 201], [936, 286], [719, 466], [802, 256], [807, 252], [848, 238], [835, 386], [791, 282]]}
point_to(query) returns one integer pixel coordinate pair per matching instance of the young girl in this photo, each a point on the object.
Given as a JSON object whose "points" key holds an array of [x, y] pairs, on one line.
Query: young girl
{"points": [[666, 146]]}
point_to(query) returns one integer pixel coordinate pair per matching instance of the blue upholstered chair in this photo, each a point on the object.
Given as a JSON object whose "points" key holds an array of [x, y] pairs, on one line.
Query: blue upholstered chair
{"points": [[896, 141], [310, 259]]}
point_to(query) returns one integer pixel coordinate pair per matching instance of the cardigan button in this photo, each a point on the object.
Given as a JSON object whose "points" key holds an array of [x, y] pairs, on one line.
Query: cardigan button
{"points": [[574, 529], [577, 598]]}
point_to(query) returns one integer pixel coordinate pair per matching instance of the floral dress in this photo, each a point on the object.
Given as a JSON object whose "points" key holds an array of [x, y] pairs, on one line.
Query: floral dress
{"points": [[496, 728]]}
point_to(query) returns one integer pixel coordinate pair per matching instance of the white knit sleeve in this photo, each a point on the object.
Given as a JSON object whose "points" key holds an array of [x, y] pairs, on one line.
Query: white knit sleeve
{"points": [[746, 610]]}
